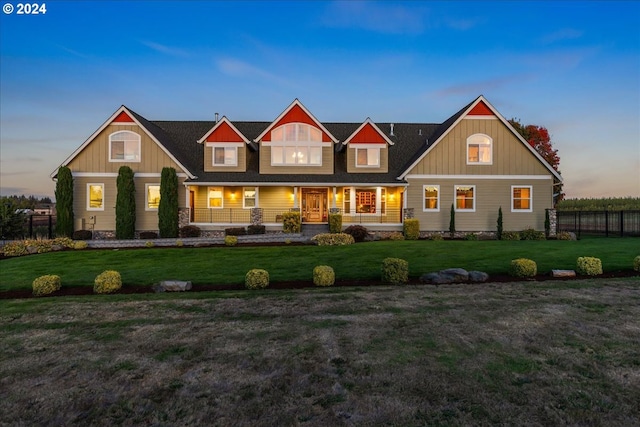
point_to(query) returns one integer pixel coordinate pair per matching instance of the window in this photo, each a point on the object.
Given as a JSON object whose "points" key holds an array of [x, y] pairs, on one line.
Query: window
{"points": [[431, 198], [296, 144], [347, 201], [95, 197], [250, 197], [365, 201], [367, 157], [465, 198], [124, 146], [521, 199], [215, 197], [479, 150], [152, 196], [225, 156]]}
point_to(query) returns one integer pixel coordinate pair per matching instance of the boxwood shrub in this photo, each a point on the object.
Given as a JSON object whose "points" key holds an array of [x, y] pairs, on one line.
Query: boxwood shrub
{"points": [[256, 278], [323, 275], [510, 235], [291, 222], [333, 239], [395, 271], [523, 267], [636, 263], [358, 232], [335, 223], [411, 229], [190, 231], [82, 235], [230, 240], [588, 266], [45, 285], [107, 282], [256, 229]]}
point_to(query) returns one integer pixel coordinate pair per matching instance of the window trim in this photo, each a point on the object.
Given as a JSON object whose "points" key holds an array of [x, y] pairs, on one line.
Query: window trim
{"points": [[146, 196], [471, 141], [138, 141], [303, 146], [95, 184], [244, 206], [424, 198], [209, 189], [377, 165], [530, 209], [225, 147], [455, 197]]}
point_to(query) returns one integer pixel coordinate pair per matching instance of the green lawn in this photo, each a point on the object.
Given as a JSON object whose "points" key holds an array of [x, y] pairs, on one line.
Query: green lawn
{"points": [[228, 265]]}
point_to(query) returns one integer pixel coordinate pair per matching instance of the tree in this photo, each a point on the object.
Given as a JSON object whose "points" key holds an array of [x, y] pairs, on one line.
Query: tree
{"points": [[168, 208], [499, 224], [538, 137], [64, 202], [125, 204], [452, 220], [12, 220]]}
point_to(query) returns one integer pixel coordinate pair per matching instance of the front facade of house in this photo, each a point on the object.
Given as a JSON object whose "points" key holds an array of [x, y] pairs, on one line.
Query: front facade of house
{"points": [[375, 174]]}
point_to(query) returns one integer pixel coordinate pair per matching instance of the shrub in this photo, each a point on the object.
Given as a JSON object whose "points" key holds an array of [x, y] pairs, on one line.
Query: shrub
{"points": [[395, 271], [510, 235], [523, 267], [82, 235], [256, 278], [589, 266], [256, 229], [396, 236], [547, 223], [15, 248], [499, 227], [179, 243], [125, 204], [323, 275], [168, 207], [531, 234], [636, 263], [107, 282], [235, 231], [335, 223], [230, 240], [45, 285], [64, 241], [64, 202], [563, 235], [411, 229], [436, 237], [291, 222], [148, 235], [149, 244], [333, 239], [12, 219], [81, 244], [190, 231], [358, 232], [471, 236]]}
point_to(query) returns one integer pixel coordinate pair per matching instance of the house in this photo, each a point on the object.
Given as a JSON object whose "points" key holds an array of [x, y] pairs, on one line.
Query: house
{"points": [[375, 174]]}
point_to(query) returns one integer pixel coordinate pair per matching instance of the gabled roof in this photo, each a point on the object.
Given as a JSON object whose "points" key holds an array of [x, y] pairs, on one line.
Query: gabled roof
{"points": [[125, 115], [478, 107], [366, 132], [224, 125], [294, 107]]}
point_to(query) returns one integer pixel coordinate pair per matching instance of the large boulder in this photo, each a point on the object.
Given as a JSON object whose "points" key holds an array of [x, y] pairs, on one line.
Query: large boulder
{"points": [[172, 286], [454, 275]]}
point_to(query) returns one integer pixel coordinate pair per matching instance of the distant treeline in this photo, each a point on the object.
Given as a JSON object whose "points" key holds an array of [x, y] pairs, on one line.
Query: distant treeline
{"points": [[28, 202], [609, 204]]}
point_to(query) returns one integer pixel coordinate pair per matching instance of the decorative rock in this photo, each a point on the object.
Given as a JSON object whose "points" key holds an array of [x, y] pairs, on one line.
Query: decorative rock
{"points": [[563, 273], [434, 279], [454, 275], [172, 286], [478, 276]]}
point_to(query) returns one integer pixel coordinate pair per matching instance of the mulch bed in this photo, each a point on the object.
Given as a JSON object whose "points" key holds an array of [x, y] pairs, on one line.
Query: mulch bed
{"points": [[296, 284]]}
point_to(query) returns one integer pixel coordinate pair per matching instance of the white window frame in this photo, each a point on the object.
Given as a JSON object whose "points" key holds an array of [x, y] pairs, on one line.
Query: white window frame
{"points": [[209, 190], [233, 149], [513, 199], [299, 140], [244, 199], [424, 198], [480, 139], [369, 151], [95, 184], [146, 196], [134, 139], [455, 197]]}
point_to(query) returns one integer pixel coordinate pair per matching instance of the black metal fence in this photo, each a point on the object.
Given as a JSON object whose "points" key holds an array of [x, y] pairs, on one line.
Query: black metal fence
{"points": [[608, 223], [42, 226]]}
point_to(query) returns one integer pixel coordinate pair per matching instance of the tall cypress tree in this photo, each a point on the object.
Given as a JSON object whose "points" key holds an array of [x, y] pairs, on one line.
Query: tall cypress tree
{"points": [[499, 225], [64, 202], [452, 220], [125, 204], [168, 208]]}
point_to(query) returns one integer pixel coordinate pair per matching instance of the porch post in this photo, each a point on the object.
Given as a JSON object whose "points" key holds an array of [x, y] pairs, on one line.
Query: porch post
{"points": [[295, 197], [333, 202]]}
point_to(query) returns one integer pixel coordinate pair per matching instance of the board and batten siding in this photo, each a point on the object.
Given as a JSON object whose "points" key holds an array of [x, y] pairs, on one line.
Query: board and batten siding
{"points": [[95, 156], [266, 167], [240, 167]]}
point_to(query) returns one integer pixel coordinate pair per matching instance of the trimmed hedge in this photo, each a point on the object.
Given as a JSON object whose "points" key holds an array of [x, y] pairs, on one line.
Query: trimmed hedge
{"points": [[107, 282], [235, 231], [335, 223], [190, 231], [323, 275], [291, 222], [82, 235], [230, 240], [510, 235], [588, 266], [395, 271], [256, 229], [45, 285], [523, 267], [411, 229], [148, 235], [531, 234], [256, 278], [636, 263], [358, 232], [333, 239]]}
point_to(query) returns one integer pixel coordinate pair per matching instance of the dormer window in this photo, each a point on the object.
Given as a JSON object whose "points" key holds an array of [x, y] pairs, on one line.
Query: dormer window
{"points": [[479, 150], [367, 157], [124, 146], [296, 144], [225, 156]]}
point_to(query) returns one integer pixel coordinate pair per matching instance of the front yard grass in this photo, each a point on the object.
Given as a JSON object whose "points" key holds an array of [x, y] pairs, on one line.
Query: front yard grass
{"points": [[547, 353], [228, 265]]}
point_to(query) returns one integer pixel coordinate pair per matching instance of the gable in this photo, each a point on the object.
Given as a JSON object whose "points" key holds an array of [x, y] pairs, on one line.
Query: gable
{"points": [[480, 109], [368, 133], [296, 113], [123, 117]]}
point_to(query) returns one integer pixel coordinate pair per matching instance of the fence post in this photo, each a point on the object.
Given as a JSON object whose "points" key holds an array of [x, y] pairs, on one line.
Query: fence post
{"points": [[606, 223], [31, 226], [621, 223], [579, 222], [50, 228]]}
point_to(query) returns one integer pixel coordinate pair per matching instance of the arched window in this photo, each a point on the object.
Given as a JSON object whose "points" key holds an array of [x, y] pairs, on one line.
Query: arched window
{"points": [[124, 146], [479, 150], [296, 144]]}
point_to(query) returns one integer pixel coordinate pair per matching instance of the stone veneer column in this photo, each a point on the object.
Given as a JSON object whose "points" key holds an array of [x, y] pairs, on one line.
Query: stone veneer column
{"points": [[256, 216], [183, 217], [553, 222], [408, 213]]}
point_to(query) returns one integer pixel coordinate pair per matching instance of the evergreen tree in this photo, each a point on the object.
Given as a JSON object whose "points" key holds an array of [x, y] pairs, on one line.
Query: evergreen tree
{"points": [[64, 203], [168, 208], [452, 220], [125, 204], [499, 233], [12, 220]]}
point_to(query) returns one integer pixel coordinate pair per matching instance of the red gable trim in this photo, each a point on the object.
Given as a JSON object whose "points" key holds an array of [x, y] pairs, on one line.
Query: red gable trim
{"points": [[123, 118], [367, 135], [480, 109], [296, 115], [224, 133]]}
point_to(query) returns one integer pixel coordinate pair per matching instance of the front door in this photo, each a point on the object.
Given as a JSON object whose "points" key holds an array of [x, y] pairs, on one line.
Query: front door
{"points": [[314, 207]]}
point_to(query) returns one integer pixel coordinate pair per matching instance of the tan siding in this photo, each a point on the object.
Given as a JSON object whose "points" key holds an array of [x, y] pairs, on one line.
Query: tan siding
{"points": [[95, 156], [242, 161], [104, 220], [351, 161], [490, 195], [325, 169], [276, 197]]}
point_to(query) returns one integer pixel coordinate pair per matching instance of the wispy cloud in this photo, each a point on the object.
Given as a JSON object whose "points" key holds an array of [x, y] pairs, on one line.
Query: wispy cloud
{"points": [[237, 68], [73, 52], [482, 86], [380, 17], [463, 24], [167, 50], [561, 35]]}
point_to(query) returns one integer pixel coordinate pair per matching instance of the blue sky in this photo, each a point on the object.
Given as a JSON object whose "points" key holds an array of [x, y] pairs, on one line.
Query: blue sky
{"points": [[572, 67]]}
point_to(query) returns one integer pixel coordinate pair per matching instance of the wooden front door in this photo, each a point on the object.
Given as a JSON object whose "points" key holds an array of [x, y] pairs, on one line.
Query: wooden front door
{"points": [[314, 205]]}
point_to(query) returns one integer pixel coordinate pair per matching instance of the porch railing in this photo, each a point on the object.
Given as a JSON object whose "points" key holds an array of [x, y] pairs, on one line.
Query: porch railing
{"points": [[274, 215]]}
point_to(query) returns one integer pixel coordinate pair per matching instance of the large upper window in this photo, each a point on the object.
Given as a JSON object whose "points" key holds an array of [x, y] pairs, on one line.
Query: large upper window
{"points": [[225, 156], [466, 198], [95, 197], [152, 196], [521, 199], [431, 198], [479, 150], [296, 144], [367, 157], [124, 146]]}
